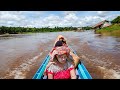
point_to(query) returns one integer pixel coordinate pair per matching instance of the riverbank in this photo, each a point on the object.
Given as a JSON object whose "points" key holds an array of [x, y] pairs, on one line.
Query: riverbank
{"points": [[19, 30], [113, 30]]}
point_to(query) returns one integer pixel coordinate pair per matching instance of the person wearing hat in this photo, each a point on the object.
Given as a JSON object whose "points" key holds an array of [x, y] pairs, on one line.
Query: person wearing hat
{"points": [[75, 58], [59, 66]]}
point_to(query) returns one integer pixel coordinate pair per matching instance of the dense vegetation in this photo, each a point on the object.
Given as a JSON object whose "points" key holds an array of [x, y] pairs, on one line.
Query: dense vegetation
{"points": [[18, 30], [87, 28], [116, 20], [113, 30]]}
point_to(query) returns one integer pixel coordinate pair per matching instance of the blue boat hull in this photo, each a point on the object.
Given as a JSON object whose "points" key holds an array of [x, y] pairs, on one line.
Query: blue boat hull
{"points": [[81, 71]]}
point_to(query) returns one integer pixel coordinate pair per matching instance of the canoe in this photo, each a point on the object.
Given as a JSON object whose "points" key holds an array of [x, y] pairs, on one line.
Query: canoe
{"points": [[81, 70]]}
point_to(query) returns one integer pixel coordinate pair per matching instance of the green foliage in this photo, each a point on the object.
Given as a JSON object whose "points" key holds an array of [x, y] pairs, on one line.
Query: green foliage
{"points": [[113, 30], [16, 30], [116, 20], [87, 28]]}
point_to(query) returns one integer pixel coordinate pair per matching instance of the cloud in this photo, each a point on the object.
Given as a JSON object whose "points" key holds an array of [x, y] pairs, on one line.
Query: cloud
{"points": [[102, 13], [111, 17], [10, 17], [45, 19], [52, 21], [18, 18], [88, 20], [69, 19]]}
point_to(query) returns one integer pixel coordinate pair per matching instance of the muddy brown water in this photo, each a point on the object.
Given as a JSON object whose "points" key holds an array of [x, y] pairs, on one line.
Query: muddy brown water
{"points": [[21, 55]]}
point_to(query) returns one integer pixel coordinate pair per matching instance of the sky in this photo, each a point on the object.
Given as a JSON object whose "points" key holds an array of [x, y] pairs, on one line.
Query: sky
{"points": [[52, 19]]}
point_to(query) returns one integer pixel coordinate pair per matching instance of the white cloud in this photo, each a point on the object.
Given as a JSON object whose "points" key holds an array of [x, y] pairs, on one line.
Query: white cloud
{"points": [[43, 19], [71, 17], [10, 16], [88, 20], [51, 21], [51, 18], [103, 13], [111, 17]]}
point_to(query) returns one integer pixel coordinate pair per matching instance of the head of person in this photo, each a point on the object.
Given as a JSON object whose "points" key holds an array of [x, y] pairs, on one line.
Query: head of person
{"points": [[60, 53], [61, 38], [61, 42], [58, 44]]}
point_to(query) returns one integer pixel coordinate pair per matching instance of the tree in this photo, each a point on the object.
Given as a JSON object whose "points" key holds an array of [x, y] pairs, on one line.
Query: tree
{"points": [[116, 20]]}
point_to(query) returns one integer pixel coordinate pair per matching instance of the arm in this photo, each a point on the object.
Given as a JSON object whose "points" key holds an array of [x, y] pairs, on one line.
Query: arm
{"points": [[47, 66], [50, 75], [75, 58], [73, 74]]}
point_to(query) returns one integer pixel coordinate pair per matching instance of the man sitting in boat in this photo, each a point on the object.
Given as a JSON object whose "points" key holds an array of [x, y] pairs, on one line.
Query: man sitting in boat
{"points": [[59, 66], [75, 57]]}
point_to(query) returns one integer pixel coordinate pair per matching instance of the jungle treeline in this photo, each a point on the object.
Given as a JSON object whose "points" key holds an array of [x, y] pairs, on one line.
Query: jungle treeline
{"points": [[20, 30]]}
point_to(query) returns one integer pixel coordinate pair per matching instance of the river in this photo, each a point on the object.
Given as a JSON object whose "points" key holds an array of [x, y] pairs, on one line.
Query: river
{"points": [[22, 54]]}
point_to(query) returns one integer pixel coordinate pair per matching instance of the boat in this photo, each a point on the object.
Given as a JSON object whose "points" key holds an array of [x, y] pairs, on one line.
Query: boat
{"points": [[81, 70]]}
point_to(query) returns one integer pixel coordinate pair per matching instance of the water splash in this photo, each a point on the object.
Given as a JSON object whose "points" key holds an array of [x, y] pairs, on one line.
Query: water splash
{"points": [[109, 73], [20, 71]]}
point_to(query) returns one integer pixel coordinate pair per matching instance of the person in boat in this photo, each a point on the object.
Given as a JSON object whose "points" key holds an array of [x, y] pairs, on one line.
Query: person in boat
{"points": [[60, 66], [74, 56]]}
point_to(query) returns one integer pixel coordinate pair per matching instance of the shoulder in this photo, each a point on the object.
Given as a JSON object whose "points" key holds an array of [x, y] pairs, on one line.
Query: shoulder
{"points": [[70, 64], [53, 68]]}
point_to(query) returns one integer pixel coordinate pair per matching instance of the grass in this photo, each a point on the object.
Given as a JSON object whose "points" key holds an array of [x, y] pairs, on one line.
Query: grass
{"points": [[113, 30]]}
